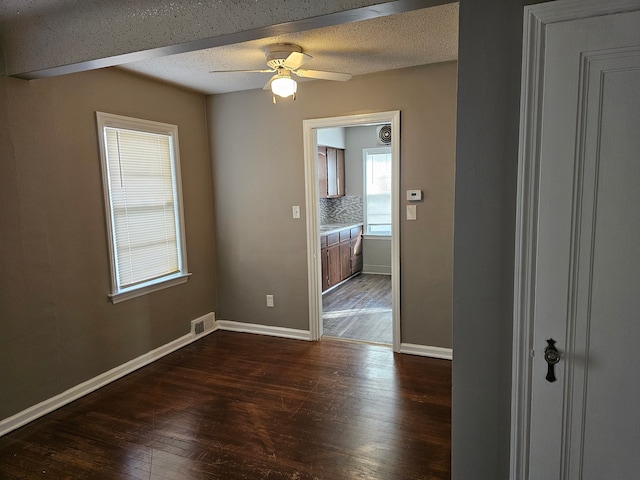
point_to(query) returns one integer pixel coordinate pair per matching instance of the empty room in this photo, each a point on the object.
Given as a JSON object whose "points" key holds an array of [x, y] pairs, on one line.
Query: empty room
{"points": [[172, 245]]}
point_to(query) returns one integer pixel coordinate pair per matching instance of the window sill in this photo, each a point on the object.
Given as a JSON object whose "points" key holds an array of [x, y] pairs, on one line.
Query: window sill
{"points": [[370, 236], [144, 288]]}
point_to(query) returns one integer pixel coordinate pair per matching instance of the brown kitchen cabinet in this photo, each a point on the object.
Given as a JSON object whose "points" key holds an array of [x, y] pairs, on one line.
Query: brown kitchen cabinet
{"points": [[341, 256], [355, 244], [333, 261], [345, 260], [331, 172], [331, 270]]}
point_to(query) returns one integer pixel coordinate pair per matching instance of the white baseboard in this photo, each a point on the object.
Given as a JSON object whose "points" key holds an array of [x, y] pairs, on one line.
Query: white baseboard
{"points": [[376, 269], [36, 411], [426, 351], [232, 326]]}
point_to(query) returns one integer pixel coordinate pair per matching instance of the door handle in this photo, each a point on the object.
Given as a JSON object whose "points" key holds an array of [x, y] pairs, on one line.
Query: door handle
{"points": [[551, 356]]}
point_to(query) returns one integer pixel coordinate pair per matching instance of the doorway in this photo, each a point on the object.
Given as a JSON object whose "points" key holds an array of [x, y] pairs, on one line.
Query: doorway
{"points": [[575, 358], [364, 281]]}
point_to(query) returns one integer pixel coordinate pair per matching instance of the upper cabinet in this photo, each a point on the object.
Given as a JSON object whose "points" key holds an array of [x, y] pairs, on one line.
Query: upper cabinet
{"points": [[331, 172]]}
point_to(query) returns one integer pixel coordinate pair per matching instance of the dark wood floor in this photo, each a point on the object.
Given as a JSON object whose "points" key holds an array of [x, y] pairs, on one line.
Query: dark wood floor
{"points": [[359, 309], [241, 406]]}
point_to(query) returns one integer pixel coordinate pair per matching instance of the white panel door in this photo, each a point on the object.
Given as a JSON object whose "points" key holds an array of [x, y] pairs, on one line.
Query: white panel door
{"points": [[581, 259]]}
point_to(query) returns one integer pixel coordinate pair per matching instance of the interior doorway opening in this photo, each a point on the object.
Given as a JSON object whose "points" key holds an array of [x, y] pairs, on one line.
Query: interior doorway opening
{"points": [[352, 188]]}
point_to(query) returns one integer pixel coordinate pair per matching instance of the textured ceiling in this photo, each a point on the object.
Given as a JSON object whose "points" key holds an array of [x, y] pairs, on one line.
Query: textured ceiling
{"points": [[402, 40], [13, 8]]}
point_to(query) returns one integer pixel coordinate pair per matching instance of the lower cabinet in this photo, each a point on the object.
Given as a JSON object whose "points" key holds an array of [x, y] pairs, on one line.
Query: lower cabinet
{"points": [[341, 256], [333, 261], [345, 260]]}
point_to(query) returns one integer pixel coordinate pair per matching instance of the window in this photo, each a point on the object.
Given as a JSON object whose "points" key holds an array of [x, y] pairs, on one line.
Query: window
{"points": [[143, 202], [377, 191]]}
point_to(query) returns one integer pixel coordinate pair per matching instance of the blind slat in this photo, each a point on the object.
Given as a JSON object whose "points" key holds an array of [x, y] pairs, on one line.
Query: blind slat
{"points": [[143, 205], [378, 191]]}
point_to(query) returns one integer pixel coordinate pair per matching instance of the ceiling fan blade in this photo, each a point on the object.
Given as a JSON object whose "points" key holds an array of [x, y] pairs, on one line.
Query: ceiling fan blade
{"points": [[242, 71], [268, 85], [340, 77], [296, 60]]}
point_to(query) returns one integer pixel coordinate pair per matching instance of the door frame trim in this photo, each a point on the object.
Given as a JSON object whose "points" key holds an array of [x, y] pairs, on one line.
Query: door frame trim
{"points": [[312, 198], [536, 20]]}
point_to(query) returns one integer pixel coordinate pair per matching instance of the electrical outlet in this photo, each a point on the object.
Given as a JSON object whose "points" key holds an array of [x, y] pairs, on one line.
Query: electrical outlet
{"points": [[269, 300]]}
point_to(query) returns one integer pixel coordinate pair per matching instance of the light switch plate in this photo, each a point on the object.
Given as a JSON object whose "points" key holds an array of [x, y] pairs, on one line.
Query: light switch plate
{"points": [[296, 211], [411, 212]]}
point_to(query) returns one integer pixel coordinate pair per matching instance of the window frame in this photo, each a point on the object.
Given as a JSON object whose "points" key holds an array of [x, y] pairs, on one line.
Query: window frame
{"points": [[118, 292], [365, 152]]}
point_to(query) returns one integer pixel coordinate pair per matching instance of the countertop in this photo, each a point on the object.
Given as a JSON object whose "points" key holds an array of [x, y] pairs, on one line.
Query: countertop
{"points": [[330, 228]]}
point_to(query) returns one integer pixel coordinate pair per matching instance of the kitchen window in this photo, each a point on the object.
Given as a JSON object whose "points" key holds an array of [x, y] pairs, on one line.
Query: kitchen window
{"points": [[377, 191], [143, 204]]}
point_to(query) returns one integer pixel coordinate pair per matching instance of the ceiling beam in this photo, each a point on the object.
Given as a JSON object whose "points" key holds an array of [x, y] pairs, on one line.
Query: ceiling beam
{"points": [[82, 39]]}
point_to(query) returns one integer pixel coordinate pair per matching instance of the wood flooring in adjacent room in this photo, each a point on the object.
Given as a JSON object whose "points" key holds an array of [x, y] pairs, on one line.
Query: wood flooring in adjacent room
{"points": [[359, 309], [241, 406]]}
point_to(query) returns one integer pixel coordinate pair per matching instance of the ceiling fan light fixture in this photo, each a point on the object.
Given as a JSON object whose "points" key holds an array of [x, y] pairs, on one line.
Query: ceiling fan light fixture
{"points": [[284, 86], [285, 59]]}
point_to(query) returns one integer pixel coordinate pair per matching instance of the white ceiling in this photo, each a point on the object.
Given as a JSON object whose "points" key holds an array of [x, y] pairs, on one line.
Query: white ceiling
{"points": [[397, 41]]}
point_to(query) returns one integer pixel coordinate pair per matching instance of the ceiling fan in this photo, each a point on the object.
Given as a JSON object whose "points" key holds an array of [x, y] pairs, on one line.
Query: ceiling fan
{"points": [[285, 59]]}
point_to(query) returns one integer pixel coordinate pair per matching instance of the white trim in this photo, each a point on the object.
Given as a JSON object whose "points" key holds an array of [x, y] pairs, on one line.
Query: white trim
{"points": [[567, 10], [536, 20], [36, 411], [118, 292], [427, 351], [148, 287], [272, 331], [312, 196], [526, 215]]}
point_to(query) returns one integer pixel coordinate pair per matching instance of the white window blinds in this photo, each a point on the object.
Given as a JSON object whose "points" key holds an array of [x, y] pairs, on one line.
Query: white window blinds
{"points": [[378, 191], [143, 198]]}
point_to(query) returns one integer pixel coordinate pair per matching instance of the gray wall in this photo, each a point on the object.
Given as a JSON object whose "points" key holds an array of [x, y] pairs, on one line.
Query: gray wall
{"points": [[357, 139], [486, 166], [258, 171], [376, 251], [376, 255], [57, 327]]}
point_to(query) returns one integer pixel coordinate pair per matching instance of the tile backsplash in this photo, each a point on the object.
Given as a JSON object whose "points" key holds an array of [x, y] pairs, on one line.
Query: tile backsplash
{"points": [[341, 210]]}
